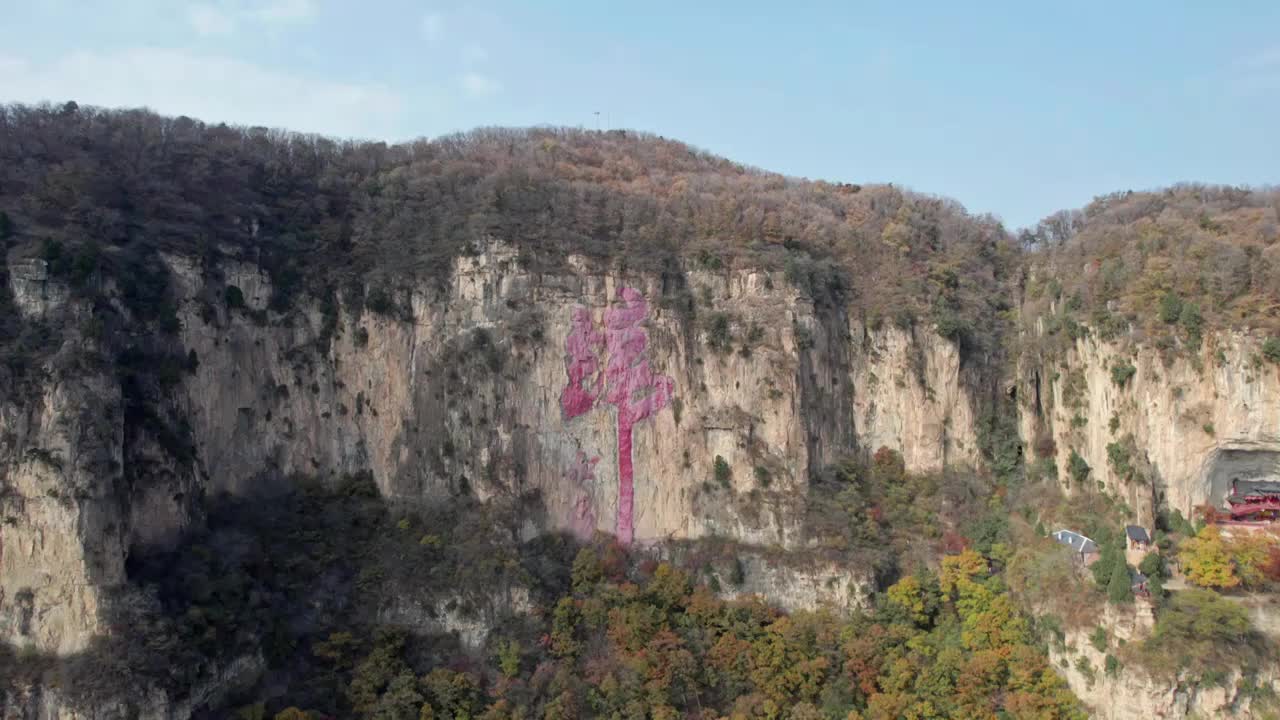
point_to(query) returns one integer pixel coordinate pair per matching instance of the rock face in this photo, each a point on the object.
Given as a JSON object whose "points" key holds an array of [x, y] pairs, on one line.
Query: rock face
{"points": [[1130, 694], [34, 293], [61, 453], [630, 405], [584, 388], [794, 587], [1198, 421], [642, 406], [455, 615]]}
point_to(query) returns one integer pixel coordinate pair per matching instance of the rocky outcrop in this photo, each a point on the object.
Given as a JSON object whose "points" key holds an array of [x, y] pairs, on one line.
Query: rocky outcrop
{"points": [[61, 460], [909, 395], [468, 619], [650, 407], [1127, 693], [1187, 426], [469, 391], [795, 586], [36, 295]]}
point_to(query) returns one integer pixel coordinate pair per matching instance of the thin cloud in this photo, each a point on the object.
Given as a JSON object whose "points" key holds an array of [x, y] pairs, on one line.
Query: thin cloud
{"points": [[207, 20], [474, 54], [479, 85], [286, 11], [212, 88]]}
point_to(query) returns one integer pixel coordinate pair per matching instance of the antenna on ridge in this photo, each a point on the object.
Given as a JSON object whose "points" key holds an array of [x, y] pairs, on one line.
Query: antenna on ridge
{"points": [[597, 121]]}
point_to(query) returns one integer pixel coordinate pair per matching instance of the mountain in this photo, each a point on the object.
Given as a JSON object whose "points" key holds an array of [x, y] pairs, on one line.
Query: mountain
{"points": [[515, 422]]}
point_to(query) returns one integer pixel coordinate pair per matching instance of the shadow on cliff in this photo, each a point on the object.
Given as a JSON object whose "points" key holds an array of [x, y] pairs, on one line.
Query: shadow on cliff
{"points": [[238, 603]]}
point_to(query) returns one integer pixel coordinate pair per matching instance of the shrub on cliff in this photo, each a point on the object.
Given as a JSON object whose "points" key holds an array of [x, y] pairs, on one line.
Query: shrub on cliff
{"points": [[1110, 555], [1119, 457], [233, 298], [721, 471], [1271, 349], [1099, 639], [719, 333], [1121, 372], [1078, 468], [1170, 308], [1199, 630], [1152, 565]]}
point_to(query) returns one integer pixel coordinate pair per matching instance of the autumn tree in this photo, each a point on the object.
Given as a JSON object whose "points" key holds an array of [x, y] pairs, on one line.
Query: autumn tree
{"points": [[1250, 552], [587, 571], [916, 596], [1206, 560], [564, 624]]}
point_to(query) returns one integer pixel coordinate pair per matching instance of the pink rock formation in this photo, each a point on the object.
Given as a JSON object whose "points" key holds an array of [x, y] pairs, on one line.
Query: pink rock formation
{"points": [[630, 384]]}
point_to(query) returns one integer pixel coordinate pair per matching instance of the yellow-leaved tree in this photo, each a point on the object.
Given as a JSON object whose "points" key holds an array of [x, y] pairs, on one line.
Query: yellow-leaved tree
{"points": [[1206, 560]]}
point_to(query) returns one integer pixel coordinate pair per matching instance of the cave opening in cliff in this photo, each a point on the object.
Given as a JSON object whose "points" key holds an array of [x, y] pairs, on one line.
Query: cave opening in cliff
{"points": [[1223, 465]]}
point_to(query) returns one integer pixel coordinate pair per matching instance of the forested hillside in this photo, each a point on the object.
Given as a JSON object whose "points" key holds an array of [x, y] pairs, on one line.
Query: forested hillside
{"points": [[610, 632], [1169, 264], [99, 192]]}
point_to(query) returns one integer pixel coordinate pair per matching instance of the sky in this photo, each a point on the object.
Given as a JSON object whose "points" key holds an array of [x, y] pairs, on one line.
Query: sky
{"points": [[1018, 109]]}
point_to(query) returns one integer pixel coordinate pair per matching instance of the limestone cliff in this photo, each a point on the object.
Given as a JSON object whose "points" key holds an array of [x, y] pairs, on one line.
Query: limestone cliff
{"points": [[1129, 693], [468, 392], [61, 541], [469, 389], [1186, 427]]}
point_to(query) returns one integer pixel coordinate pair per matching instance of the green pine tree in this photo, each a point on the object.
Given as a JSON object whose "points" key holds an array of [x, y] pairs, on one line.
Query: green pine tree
{"points": [[1156, 587], [1119, 589], [1152, 565], [1102, 568]]}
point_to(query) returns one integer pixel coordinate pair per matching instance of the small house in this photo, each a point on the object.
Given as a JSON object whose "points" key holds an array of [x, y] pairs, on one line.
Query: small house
{"points": [[1085, 549], [1137, 543], [1137, 537]]}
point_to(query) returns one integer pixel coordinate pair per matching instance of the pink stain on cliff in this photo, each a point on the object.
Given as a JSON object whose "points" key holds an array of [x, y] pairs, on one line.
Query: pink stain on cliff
{"points": [[630, 384], [582, 363], [633, 388], [582, 475]]}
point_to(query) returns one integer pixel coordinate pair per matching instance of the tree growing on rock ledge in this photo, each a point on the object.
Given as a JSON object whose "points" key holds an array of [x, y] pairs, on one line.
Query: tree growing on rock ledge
{"points": [[1120, 588]]}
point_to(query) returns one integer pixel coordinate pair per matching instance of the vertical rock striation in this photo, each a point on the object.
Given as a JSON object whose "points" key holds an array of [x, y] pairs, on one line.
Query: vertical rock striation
{"points": [[606, 397]]}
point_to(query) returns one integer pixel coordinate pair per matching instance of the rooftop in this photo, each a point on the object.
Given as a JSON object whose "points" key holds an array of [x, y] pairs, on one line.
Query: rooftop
{"points": [[1076, 541], [1137, 533], [1257, 487]]}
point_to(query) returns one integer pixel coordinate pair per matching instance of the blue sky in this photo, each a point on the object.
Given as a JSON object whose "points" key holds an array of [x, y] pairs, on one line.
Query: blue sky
{"points": [[1017, 108]]}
